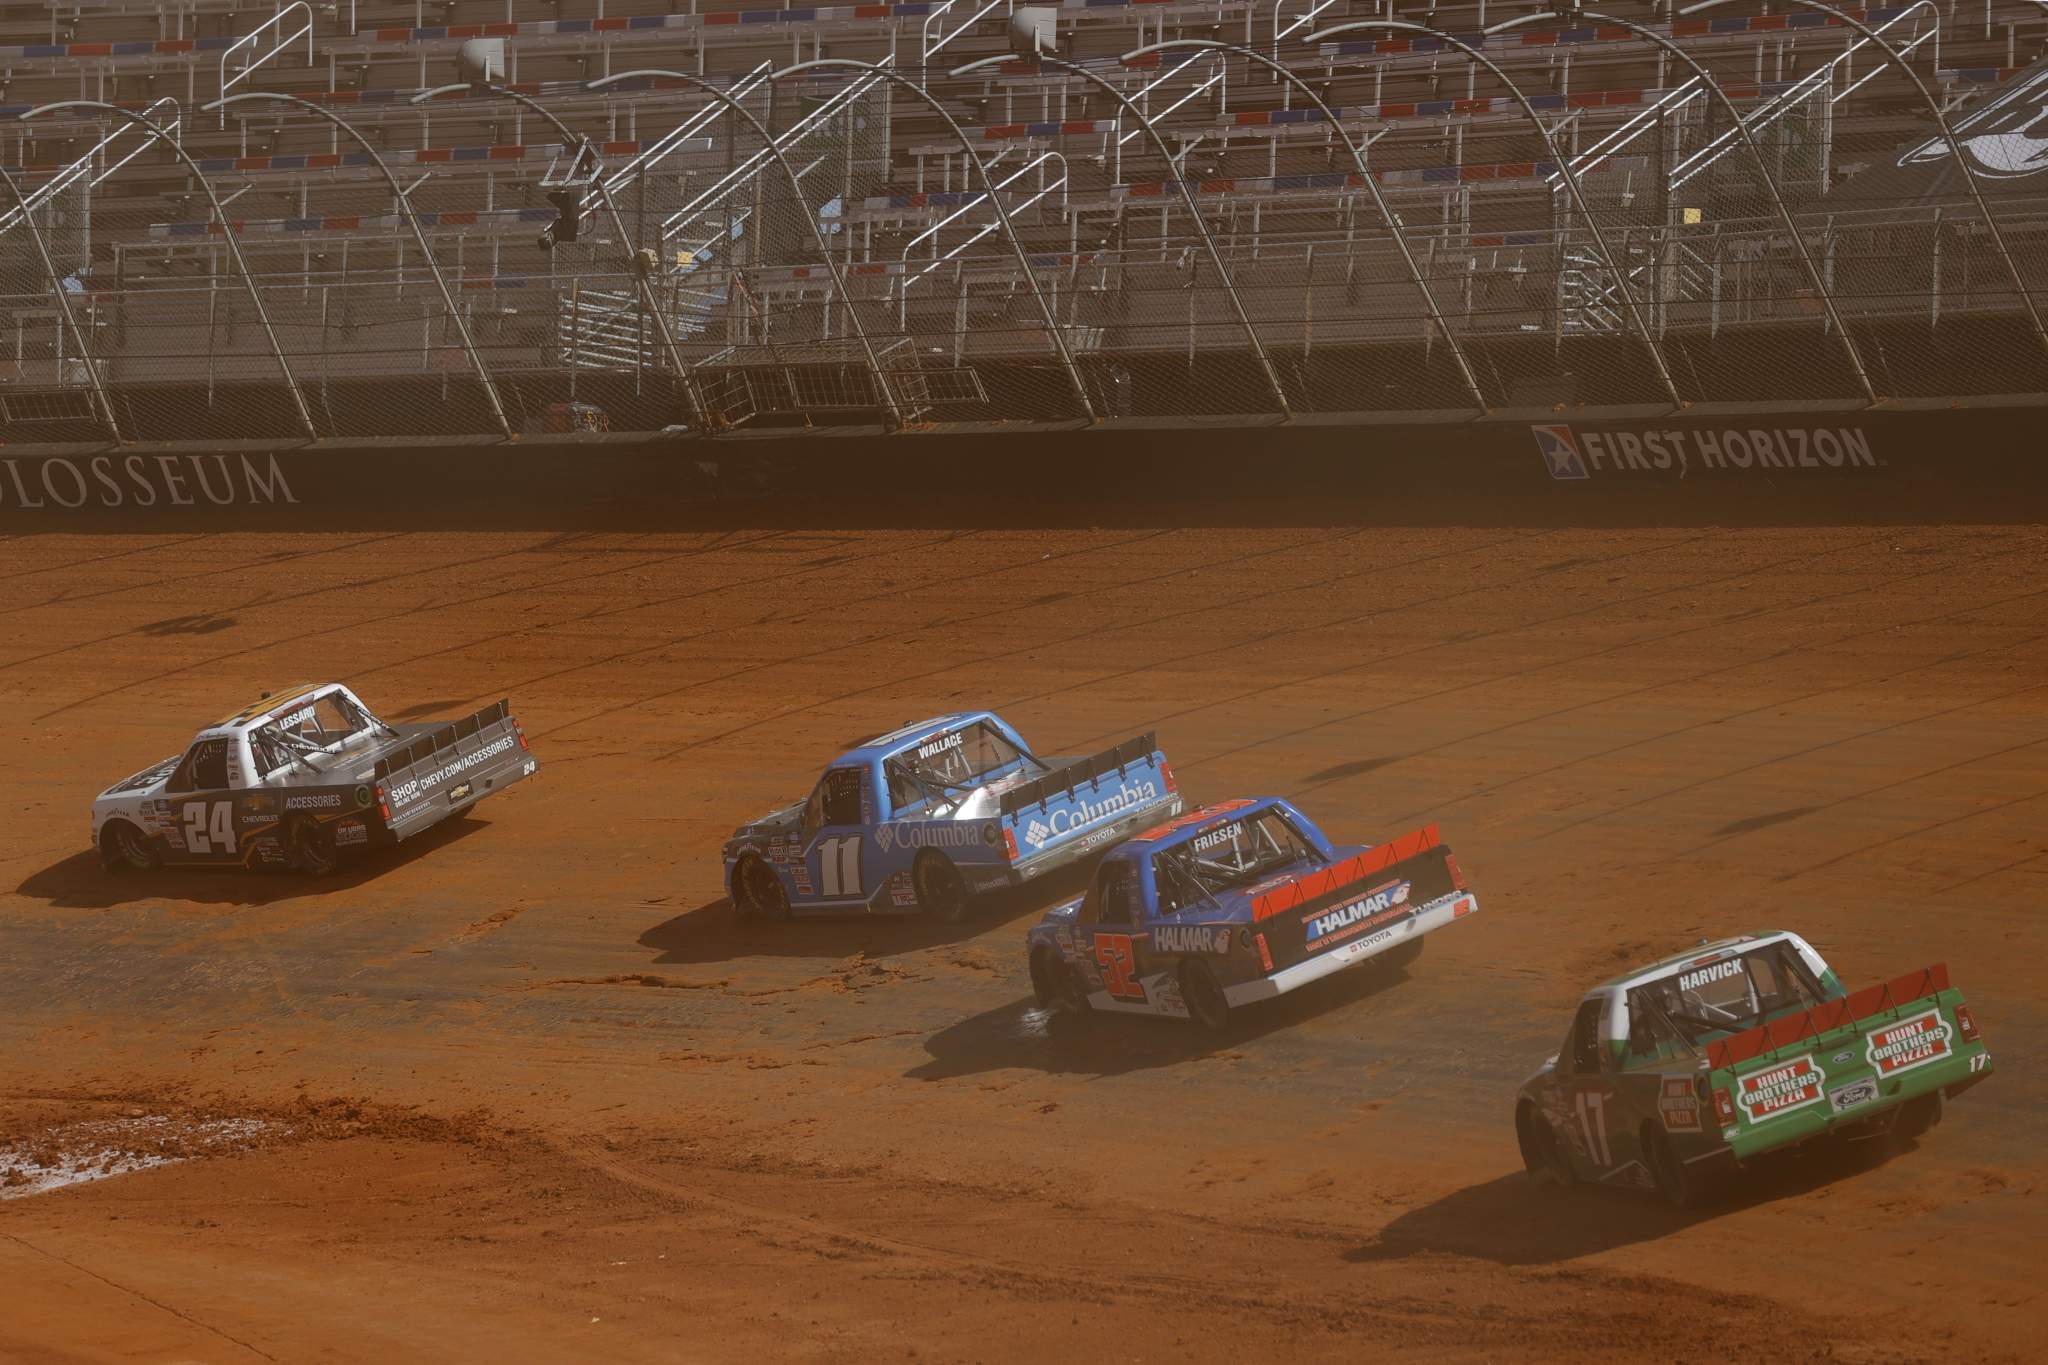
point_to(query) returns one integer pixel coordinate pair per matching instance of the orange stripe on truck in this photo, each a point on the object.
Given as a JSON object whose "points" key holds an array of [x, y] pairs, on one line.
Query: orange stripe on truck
{"points": [[1373, 861]]}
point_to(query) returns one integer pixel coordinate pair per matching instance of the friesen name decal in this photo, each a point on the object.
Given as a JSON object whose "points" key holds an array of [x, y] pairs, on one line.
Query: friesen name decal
{"points": [[1222, 834], [1572, 455]]}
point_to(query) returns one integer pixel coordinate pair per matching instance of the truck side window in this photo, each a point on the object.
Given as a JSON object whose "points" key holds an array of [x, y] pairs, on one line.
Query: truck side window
{"points": [[842, 796], [1117, 903], [205, 768], [1585, 1040]]}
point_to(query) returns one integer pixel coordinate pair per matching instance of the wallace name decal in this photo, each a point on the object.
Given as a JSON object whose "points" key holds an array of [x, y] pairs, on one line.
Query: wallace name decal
{"points": [[1677, 452]]}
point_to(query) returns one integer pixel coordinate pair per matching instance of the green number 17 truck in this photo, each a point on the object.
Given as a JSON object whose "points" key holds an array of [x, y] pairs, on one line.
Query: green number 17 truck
{"points": [[1673, 1076]]}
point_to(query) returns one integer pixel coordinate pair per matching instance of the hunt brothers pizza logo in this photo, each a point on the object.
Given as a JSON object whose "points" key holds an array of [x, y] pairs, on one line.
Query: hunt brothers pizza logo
{"points": [[1781, 1089], [1572, 455], [1912, 1042], [58, 483]]}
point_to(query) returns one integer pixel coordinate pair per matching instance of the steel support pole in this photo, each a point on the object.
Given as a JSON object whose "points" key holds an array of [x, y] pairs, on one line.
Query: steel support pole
{"points": [[1372, 186], [226, 229], [1955, 148], [572, 138], [92, 368], [1009, 229], [1187, 196], [1557, 159], [796, 188], [419, 235], [1763, 166]]}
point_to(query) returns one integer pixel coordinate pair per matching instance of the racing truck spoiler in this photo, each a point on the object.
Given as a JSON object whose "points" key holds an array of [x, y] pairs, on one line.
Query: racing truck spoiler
{"points": [[426, 777], [1069, 777]]}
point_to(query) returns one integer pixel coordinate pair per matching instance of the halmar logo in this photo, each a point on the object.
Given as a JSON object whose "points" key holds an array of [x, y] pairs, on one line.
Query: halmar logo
{"points": [[1573, 455]]}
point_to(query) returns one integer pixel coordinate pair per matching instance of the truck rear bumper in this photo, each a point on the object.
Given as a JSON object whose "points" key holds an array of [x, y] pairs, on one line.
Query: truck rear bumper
{"points": [[1429, 919]]}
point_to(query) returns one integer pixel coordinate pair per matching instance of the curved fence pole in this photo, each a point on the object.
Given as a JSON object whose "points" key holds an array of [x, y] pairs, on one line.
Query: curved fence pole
{"points": [[685, 376], [1813, 275], [1187, 195], [1955, 149], [220, 216], [1564, 171], [412, 219], [803, 207], [1372, 185], [92, 368], [1009, 229]]}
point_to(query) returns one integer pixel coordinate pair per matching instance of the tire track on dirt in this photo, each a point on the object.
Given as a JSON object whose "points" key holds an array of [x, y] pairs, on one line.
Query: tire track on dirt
{"points": [[1046, 644], [266, 562]]}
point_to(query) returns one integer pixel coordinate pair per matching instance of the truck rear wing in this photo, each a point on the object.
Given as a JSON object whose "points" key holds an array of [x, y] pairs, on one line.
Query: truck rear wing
{"points": [[1081, 772], [1358, 899], [1843, 1060], [431, 775]]}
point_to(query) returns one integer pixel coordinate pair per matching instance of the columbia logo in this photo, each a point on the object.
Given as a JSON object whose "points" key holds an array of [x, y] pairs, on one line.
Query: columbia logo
{"points": [[1036, 834]]}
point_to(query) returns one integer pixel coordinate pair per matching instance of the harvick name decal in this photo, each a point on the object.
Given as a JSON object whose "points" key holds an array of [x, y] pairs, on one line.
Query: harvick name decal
{"points": [[1706, 976], [1572, 455]]}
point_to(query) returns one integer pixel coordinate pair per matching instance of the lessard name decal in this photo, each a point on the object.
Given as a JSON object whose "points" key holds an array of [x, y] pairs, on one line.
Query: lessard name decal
{"points": [[58, 483], [1570, 455]]}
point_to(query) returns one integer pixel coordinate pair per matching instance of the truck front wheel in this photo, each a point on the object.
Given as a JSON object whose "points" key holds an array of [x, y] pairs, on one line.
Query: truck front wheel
{"points": [[941, 890], [757, 890], [124, 849], [1540, 1157]]}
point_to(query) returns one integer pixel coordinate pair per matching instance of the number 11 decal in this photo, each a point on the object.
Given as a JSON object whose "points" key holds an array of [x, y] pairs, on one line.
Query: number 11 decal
{"points": [[839, 866]]}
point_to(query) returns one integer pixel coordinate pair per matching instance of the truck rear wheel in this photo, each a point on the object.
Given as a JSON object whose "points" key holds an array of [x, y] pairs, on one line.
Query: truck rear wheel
{"points": [[1207, 1005], [123, 848], [1683, 1186], [756, 890], [941, 890], [1917, 1116], [310, 847]]}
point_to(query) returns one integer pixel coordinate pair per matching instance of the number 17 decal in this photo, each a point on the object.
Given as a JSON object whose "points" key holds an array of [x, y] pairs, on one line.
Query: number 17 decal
{"points": [[1592, 1106], [1113, 952]]}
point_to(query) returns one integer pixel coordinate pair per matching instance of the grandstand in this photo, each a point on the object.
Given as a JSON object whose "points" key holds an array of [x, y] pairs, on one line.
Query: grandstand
{"points": [[788, 223]]}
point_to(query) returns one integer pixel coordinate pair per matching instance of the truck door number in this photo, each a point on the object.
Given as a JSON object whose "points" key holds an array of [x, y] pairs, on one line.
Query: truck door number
{"points": [[839, 866], [1593, 1123], [209, 827], [1114, 955]]}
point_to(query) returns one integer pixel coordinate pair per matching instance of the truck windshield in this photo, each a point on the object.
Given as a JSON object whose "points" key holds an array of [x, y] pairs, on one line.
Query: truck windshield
{"points": [[1224, 856], [950, 763], [1729, 994]]}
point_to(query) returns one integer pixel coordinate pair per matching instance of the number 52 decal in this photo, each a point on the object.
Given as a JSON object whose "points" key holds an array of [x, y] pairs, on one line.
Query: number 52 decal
{"points": [[1113, 953]]}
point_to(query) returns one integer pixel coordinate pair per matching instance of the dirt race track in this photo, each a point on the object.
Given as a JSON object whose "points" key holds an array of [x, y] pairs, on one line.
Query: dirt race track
{"points": [[529, 1092]]}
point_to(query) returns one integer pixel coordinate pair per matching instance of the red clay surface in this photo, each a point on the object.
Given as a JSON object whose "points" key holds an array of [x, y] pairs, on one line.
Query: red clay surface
{"points": [[531, 1094]]}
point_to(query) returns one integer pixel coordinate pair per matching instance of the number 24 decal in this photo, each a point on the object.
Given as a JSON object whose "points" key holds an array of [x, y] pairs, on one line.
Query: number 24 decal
{"points": [[210, 827], [1114, 954]]}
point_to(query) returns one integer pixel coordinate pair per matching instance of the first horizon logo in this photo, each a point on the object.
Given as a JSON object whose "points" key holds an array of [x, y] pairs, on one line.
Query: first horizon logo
{"points": [[1571, 455]]}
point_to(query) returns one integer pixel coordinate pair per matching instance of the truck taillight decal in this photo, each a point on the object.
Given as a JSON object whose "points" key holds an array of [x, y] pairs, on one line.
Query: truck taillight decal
{"points": [[1166, 776], [1724, 1108], [1457, 873], [382, 804], [1967, 1022], [1010, 843], [520, 730]]}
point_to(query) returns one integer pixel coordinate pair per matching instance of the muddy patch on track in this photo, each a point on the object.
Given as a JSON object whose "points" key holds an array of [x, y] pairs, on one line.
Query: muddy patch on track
{"points": [[55, 1156]]}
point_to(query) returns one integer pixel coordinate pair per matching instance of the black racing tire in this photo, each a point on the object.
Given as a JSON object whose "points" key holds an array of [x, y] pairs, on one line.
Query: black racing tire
{"points": [[1683, 1186], [1048, 979], [941, 890], [1541, 1160], [757, 891], [1917, 1117], [309, 847], [124, 848], [1205, 1000], [1404, 954]]}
